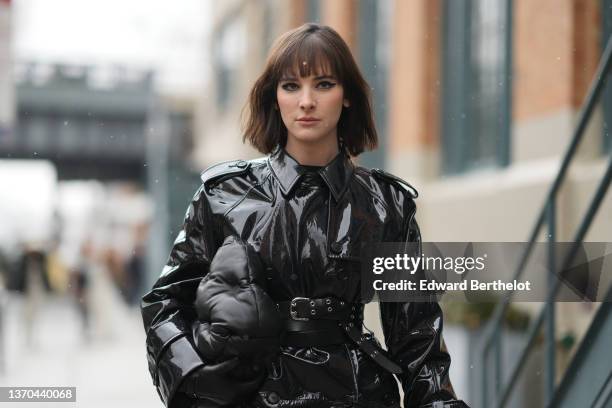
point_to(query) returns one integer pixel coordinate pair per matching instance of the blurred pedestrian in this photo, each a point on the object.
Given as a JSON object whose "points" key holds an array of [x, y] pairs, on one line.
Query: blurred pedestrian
{"points": [[79, 283], [32, 267], [134, 274]]}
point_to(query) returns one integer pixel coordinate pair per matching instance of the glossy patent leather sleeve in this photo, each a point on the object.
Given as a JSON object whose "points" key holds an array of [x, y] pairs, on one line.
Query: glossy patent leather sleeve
{"points": [[167, 310], [413, 334]]}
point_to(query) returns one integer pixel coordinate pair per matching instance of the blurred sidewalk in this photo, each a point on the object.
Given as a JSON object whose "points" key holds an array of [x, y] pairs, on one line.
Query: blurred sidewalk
{"points": [[109, 370]]}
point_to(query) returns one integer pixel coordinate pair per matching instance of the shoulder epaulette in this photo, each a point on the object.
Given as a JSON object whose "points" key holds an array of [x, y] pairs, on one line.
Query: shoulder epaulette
{"points": [[396, 180], [228, 169], [223, 171]]}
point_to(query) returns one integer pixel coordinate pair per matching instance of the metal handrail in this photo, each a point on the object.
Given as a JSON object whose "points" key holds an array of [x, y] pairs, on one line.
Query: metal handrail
{"points": [[548, 214], [533, 330], [572, 370]]}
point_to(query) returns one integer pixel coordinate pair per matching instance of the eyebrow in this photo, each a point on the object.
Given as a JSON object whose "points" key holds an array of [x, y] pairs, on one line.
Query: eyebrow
{"points": [[317, 78]]}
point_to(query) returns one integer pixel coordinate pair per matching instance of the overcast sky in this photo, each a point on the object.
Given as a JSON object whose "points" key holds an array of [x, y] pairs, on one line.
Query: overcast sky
{"points": [[170, 36]]}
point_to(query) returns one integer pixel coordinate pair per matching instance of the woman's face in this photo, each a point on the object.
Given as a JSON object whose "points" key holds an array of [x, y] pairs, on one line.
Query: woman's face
{"points": [[310, 106]]}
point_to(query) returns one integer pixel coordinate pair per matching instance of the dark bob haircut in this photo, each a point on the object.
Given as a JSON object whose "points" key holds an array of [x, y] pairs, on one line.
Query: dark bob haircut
{"points": [[311, 49]]}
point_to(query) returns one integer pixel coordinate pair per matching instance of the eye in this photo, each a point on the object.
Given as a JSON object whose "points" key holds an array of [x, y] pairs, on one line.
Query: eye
{"points": [[290, 86], [326, 84]]}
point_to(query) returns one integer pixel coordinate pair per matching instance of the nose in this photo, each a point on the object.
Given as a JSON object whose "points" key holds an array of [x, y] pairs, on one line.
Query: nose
{"points": [[307, 101]]}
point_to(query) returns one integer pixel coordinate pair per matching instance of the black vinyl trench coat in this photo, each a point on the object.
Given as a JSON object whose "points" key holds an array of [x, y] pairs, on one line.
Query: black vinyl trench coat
{"points": [[308, 225]]}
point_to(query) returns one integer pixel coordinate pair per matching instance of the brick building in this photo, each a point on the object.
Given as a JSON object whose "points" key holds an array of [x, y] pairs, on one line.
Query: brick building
{"points": [[475, 101]]}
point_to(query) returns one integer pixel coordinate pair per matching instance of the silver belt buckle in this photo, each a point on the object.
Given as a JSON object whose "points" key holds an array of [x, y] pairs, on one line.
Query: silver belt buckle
{"points": [[293, 312]]}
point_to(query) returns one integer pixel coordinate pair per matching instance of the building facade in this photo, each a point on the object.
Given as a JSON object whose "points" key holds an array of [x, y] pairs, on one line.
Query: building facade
{"points": [[476, 103]]}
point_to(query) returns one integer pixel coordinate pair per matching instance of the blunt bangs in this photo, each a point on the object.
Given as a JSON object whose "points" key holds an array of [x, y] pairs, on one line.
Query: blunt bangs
{"points": [[307, 56]]}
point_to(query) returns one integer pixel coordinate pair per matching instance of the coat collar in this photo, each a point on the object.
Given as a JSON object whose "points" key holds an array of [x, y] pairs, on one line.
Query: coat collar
{"points": [[336, 174]]}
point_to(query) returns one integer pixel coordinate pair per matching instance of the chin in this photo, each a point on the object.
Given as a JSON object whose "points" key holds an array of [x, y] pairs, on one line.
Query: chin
{"points": [[309, 137]]}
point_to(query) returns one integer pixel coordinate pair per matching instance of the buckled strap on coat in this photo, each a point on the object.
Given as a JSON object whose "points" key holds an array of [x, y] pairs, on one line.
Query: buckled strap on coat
{"points": [[367, 344], [329, 320]]}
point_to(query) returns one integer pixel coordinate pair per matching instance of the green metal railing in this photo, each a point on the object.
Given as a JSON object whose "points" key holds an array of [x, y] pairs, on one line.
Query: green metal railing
{"points": [[493, 342]]}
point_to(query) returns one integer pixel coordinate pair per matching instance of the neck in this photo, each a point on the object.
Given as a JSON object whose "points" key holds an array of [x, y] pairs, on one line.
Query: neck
{"points": [[312, 154]]}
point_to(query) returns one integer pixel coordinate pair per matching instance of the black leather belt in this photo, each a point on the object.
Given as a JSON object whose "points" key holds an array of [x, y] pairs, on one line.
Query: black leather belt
{"points": [[325, 321], [306, 309]]}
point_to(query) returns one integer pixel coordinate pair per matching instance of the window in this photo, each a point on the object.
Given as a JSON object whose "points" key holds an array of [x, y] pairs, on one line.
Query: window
{"points": [[476, 89], [374, 49], [268, 27], [313, 12], [229, 54], [39, 133], [69, 134]]}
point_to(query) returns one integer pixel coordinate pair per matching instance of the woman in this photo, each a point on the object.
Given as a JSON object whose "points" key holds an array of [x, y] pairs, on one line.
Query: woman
{"points": [[306, 211]]}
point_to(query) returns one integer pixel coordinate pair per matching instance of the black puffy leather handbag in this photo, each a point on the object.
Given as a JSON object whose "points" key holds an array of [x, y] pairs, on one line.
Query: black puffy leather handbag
{"points": [[237, 318]]}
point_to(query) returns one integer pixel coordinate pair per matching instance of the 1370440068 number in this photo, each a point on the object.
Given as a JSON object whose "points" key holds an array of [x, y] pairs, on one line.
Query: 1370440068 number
{"points": [[33, 394]]}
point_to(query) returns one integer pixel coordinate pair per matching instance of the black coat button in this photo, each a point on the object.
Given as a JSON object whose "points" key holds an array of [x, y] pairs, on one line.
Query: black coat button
{"points": [[273, 398], [336, 247]]}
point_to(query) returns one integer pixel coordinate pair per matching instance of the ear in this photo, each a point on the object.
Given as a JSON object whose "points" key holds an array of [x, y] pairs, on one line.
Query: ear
{"points": [[346, 103]]}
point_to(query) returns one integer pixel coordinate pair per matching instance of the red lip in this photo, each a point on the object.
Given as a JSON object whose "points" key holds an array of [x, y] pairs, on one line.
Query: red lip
{"points": [[308, 119]]}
